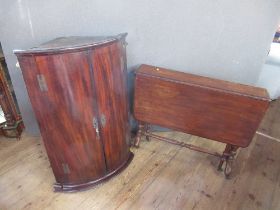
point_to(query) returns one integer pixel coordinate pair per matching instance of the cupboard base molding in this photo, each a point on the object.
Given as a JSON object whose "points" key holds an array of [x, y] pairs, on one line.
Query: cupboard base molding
{"points": [[84, 186]]}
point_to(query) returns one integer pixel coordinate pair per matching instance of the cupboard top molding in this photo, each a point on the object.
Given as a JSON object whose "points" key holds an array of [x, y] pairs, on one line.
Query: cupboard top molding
{"points": [[71, 44]]}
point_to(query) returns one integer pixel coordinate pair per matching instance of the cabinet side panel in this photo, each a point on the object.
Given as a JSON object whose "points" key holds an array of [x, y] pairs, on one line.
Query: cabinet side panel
{"points": [[110, 83], [29, 72], [198, 110], [61, 96]]}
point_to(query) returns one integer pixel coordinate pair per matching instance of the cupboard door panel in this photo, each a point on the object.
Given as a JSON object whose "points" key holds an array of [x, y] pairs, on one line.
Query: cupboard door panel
{"points": [[110, 83], [61, 94]]}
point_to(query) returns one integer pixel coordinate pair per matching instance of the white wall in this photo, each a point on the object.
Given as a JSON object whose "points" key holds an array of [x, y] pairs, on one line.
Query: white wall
{"points": [[225, 39], [270, 79], [270, 75]]}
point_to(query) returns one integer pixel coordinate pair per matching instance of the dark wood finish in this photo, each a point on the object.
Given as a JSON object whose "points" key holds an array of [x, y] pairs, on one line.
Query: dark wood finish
{"points": [[13, 126], [112, 96], [78, 92], [218, 110], [210, 108]]}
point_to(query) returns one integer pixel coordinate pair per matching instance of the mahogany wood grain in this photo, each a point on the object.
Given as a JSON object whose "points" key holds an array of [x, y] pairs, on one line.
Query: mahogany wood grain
{"points": [[210, 108], [79, 98], [65, 114], [112, 97]]}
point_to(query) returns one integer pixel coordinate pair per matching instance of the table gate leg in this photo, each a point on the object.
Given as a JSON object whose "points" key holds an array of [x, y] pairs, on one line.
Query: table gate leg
{"points": [[147, 130], [140, 132], [223, 158], [227, 158]]}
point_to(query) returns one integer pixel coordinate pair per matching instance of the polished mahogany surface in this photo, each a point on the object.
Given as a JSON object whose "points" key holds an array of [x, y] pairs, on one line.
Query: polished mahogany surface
{"points": [[78, 93], [215, 109], [111, 96]]}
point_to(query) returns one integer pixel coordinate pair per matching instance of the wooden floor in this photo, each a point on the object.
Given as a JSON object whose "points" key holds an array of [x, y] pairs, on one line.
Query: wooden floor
{"points": [[161, 176]]}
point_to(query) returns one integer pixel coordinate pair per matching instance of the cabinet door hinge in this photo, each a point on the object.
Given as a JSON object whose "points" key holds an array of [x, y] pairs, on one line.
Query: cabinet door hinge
{"points": [[103, 120], [42, 82], [66, 169], [95, 125]]}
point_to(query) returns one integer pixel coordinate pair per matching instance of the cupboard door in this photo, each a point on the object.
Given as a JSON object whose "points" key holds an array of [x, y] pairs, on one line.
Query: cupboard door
{"points": [[61, 94], [110, 84]]}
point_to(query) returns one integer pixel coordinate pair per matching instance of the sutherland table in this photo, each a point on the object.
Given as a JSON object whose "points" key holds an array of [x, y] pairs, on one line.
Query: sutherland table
{"points": [[214, 109]]}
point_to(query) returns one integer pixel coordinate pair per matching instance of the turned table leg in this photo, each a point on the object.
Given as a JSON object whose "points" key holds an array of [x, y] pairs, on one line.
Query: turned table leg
{"points": [[139, 134], [147, 130], [143, 129], [227, 158]]}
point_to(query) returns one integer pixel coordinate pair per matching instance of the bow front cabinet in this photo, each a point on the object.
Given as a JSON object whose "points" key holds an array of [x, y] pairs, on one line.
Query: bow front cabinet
{"points": [[77, 88]]}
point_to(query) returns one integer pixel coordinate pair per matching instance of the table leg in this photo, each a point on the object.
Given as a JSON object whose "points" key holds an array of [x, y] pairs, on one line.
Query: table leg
{"points": [[147, 130], [227, 157], [140, 132]]}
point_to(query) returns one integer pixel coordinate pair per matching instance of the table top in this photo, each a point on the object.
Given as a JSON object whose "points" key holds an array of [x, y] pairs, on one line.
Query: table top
{"points": [[191, 79]]}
